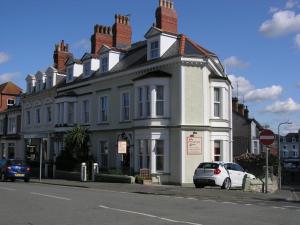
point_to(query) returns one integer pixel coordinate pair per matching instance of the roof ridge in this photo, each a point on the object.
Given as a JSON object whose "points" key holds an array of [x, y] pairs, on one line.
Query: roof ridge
{"points": [[200, 48]]}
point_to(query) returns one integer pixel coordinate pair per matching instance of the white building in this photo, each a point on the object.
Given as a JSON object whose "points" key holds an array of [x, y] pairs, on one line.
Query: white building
{"points": [[166, 96]]}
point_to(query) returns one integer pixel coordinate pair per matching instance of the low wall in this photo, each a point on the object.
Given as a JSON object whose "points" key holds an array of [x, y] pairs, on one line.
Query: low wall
{"points": [[66, 175], [109, 178]]}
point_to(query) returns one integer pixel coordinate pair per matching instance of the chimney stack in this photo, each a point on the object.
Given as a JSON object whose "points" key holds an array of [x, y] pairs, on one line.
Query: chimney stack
{"points": [[235, 104], [102, 36], [60, 56], [241, 108], [122, 32], [166, 17]]}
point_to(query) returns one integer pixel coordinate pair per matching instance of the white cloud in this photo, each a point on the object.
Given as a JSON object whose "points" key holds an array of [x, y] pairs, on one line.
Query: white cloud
{"points": [[258, 95], [291, 4], [283, 106], [5, 77], [4, 57], [282, 22], [82, 44], [234, 62], [250, 93], [297, 41], [273, 9], [298, 84], [240, 84]]}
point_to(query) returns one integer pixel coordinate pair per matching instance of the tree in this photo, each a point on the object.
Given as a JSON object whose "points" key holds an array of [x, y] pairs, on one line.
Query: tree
{"points": [[77, 142]]}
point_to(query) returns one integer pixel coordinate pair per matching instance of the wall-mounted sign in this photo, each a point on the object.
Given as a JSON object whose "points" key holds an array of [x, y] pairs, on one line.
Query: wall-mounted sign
{"points": [[194, 145], [122, 147]]}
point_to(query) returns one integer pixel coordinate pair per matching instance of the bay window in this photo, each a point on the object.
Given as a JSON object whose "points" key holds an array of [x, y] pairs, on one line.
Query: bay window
{"points": [[217, 102], [159, 100], [217, 150], [159, 150]]}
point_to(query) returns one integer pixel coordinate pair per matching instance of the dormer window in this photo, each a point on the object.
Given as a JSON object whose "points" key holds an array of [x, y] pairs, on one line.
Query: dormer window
{"points": [[70, 73], [87, 68], [154, 49], [10, 102], [104, 64], [50, 82]]}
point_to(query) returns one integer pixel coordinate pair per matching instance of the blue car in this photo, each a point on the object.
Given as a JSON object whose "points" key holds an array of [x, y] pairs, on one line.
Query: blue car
{"points": [[14, 169]]}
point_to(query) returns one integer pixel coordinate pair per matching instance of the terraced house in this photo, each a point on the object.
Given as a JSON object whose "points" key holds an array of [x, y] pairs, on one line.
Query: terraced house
{"points": [[166, 96]]}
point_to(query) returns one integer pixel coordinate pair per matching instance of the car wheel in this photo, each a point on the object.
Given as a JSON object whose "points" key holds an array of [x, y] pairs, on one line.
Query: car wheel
{"points": [[226, 184], [12, 179], [26, 180]]}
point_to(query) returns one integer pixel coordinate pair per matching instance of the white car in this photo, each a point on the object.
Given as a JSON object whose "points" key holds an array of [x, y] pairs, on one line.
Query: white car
{"points": [[223, 174]]}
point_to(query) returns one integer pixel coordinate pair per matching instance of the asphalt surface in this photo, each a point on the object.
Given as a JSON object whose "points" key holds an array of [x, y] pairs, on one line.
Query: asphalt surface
{"points": [[43, 204]]}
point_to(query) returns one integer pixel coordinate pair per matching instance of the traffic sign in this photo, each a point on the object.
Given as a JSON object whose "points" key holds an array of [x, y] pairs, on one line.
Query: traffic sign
{"points": [[266, 137]]}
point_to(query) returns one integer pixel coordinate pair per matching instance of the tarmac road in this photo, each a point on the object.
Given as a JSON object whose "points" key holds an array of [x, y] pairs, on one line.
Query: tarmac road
{"points": [[44, 204]]}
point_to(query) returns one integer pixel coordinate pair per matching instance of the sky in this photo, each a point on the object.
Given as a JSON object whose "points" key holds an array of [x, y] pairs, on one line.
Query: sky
{"points": [[258, 42]]}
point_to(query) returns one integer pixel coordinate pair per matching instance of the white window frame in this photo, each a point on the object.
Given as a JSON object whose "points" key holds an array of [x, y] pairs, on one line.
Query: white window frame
{"points": [[71, 113], [86, 114], [154, 49], [87, 68], [103, 111], [104, 67], [50, 81], [11, 99], [140, 102], [144, 154], [12, 125], [163, 155], [122, 107], [217, 102], [38, 116], [49, 114], [159, 101], [217, 156], [70, 73]]}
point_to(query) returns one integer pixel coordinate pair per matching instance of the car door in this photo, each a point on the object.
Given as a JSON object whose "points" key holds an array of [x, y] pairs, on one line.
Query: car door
{"points": [[232, 174], [240, 173]]}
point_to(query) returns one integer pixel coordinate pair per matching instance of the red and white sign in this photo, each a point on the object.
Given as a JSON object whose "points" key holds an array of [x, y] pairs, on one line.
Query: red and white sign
{"points": [[194, 145], [266, 137]]}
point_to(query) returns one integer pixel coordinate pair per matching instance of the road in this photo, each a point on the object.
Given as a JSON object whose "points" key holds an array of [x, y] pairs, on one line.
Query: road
{"points": [[41, 204]]}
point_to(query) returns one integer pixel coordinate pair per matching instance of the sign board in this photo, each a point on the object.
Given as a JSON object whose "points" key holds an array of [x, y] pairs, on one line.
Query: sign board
{"points": [[266, 137], [194, 145], [122, 147]]}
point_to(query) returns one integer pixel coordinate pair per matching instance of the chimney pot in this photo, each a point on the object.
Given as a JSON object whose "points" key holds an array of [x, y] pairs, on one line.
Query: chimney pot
{"points": [[121, 32], [166, 17]]}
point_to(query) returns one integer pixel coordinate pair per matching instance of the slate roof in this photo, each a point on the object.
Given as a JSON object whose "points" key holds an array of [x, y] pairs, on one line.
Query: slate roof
{"points": [[136, 56]]}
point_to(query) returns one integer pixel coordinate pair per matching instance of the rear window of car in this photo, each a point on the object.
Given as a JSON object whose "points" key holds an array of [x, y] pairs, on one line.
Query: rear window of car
{"points": [[17, 163], [208, 166]]}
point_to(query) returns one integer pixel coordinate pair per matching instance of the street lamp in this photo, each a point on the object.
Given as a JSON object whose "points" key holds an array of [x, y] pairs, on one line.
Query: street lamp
{"points": [[279, 158]]}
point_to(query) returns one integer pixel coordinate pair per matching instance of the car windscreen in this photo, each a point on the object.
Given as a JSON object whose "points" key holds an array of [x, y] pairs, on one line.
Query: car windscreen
{"points": [[16, 163], [208, 165]]}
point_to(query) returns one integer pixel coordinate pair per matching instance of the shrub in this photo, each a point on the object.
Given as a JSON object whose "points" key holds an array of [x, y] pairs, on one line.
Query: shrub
{"points": [[255, 163]]}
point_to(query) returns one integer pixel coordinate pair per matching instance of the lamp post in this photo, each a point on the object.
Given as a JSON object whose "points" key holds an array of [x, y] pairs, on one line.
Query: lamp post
{"points": [[279, 157]]}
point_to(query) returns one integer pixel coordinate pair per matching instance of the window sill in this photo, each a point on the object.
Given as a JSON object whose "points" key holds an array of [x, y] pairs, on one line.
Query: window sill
{"points": [[152, 118], [103, 123], [126, 121]]}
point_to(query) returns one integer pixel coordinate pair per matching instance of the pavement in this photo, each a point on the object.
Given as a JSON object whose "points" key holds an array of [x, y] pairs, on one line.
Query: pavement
{"points": [[286, 195]]}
